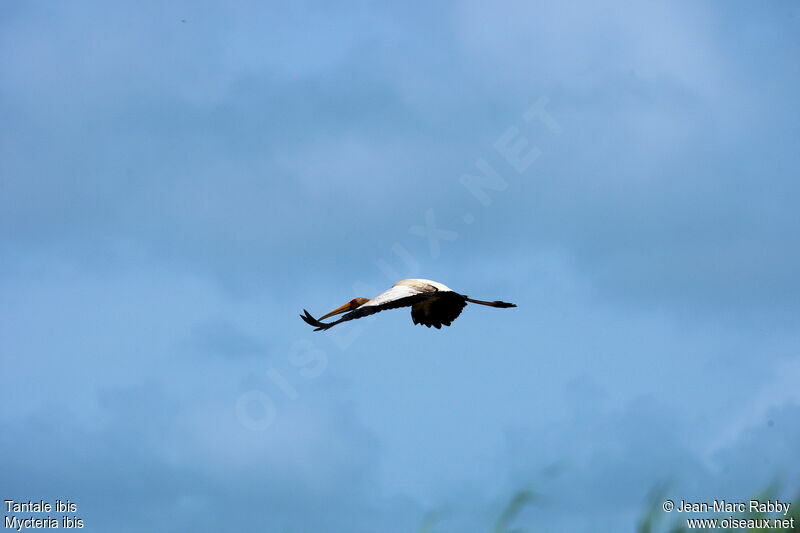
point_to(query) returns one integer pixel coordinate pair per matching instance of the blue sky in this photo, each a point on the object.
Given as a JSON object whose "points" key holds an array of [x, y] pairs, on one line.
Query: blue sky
{"points": [[178, 181]]}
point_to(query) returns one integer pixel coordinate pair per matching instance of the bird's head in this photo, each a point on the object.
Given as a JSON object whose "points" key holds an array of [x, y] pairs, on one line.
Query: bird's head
{"points": [[349, 306]]}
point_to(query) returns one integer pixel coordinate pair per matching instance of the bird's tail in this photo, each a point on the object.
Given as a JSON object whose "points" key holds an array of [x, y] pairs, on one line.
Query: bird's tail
{"points": [[490, 304]]}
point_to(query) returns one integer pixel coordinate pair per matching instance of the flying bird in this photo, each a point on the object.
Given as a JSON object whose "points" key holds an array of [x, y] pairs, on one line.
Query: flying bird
{"points": [[432, 304]]}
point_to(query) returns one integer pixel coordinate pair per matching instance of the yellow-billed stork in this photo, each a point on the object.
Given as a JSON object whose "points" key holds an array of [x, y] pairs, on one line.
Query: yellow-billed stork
{"points": [[432, 304]]}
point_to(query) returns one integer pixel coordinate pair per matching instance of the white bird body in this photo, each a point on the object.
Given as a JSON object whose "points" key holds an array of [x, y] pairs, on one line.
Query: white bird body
{"points": [[432, 304], [406, 288]]}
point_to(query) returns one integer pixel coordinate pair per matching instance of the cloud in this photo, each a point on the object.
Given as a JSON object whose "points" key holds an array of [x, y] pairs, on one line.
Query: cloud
{"points": [[660, 190], [156, 461], [601, 469], [222, 338]]}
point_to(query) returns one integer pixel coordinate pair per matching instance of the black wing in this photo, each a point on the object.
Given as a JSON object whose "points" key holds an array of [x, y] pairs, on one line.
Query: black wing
{"points": [[438, 310]]}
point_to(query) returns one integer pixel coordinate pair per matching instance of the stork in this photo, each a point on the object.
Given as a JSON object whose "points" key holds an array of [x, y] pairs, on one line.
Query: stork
{"points": [[432, 304]]}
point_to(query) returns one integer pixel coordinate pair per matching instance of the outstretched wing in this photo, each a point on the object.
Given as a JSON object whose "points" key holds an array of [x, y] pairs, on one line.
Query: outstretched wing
{"points": [[400, 295]]}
